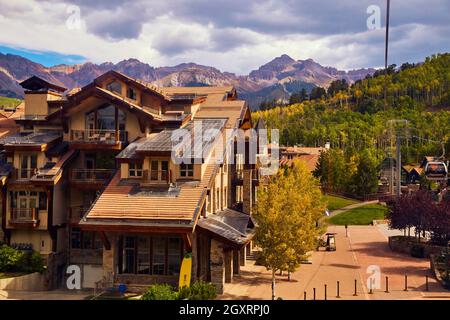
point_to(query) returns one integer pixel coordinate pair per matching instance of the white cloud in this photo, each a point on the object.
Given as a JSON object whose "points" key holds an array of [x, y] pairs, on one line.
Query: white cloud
{"points": [[167, 33]]}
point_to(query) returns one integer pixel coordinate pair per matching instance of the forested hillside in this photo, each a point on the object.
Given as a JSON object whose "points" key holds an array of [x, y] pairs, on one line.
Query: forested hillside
{"points": [[355, 118]]}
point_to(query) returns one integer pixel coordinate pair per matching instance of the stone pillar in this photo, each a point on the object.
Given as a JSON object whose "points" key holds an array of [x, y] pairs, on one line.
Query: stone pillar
{"points": [[242, 256], [236, 262], [247, 190], [228, 266], [109, 261], [217, 265]]}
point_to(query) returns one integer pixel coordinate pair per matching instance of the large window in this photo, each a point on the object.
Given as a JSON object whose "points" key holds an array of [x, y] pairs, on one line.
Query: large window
{"points": [[103, 120], [151, 255], [186, 170], [135, 169]]}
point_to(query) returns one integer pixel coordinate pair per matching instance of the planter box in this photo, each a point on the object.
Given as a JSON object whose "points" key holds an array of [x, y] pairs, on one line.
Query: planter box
{"points": [[436, 272], [29, 282], [405, 246]]}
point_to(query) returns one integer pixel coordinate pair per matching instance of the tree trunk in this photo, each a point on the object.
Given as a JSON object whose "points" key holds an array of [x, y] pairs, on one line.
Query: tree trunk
{"points": [[273, 284]]}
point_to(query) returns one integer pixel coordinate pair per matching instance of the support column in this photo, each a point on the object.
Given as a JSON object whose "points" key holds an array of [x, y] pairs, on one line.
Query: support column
{"points": [[217, 265], [109, 262], [236, 262], [228, 266], [242, 256]]}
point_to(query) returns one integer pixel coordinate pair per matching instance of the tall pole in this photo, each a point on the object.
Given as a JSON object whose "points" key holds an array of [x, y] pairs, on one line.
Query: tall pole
{"points": [[399, 166], [386, 47]]}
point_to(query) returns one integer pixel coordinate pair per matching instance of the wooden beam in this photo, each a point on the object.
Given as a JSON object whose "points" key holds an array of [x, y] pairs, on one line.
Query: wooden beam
{"points": [[105, 240], [187, 242]]}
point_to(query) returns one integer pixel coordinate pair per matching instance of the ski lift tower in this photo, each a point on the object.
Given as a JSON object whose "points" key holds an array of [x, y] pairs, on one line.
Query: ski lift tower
{"points": [[398, 129]]}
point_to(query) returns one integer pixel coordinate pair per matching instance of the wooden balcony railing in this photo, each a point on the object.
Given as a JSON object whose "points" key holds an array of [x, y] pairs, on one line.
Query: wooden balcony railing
{"points": [[24, 215], [24, 173], [91, 175], [98, 136]]}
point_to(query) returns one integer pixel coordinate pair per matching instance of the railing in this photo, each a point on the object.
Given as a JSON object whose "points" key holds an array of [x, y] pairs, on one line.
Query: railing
{"points": [[98, 136], [156, 176], [91, 175], [24, 215], [24, 173]]}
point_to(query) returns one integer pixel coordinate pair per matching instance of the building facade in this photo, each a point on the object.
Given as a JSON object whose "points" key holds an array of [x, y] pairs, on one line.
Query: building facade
{"points": [[97, 178]]}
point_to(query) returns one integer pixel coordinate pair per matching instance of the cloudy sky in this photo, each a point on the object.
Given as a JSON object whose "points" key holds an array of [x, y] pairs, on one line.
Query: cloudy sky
{"points": [[232, 35]]}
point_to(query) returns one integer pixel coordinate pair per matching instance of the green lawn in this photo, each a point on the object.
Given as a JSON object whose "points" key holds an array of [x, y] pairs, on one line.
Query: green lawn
{"points": [[360, 216], [335, 202], [9, 103]]}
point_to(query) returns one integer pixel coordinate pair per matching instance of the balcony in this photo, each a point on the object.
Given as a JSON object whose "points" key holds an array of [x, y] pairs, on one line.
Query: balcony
{"points": [[95, 178], [105, 138], [23, 174], [24, 217]]}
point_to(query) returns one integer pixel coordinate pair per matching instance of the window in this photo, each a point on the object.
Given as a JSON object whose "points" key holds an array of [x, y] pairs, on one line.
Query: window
{"points": [[186, 170], [129, 255], [28, 165], [159, 170], [143, 255], [159, 250], [114, 86], [131, 93], [152, 255], [173, 256], [154, 170], [75, 238], [84, 239], [135, 169], [218, 199]]}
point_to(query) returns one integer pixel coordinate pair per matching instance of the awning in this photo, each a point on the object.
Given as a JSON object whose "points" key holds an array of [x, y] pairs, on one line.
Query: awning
{"points": [[232, 227]]}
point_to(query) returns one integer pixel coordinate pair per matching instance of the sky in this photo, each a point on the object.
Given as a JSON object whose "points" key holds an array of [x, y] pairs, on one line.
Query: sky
{"points": [[232, 35]]}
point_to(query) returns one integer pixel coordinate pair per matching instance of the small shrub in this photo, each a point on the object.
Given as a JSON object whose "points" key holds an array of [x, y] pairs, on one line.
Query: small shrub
{"points": [[31, 262], [17, 261], [198, 291], [9, 258], [160, 292]]}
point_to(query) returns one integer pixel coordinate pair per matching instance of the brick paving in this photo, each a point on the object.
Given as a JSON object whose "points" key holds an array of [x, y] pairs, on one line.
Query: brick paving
{"points": [[365, 246]]}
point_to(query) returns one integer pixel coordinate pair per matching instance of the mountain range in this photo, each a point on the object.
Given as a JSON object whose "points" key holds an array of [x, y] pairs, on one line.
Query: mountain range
{"points": [[275, 80]]}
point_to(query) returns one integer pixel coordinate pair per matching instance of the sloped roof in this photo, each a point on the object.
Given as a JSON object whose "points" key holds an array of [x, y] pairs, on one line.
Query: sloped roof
{"points": [[229, 225], [120, 200]]}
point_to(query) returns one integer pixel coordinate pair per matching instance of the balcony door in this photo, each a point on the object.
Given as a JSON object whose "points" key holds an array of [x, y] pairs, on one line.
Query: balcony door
{"points": [[28, 164], [26, 203]]}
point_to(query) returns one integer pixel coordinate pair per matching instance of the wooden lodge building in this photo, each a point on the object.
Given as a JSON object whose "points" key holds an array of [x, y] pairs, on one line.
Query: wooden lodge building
{"points": [[88, 179]]}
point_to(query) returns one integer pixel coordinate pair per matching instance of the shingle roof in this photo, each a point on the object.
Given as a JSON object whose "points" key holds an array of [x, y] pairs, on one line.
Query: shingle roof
{"points": [[121, 201], [229, 224], [37, 138], [162, 141]]}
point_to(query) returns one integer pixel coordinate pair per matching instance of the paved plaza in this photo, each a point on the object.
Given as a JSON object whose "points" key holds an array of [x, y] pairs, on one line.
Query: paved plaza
{"points": [[365, 247]]}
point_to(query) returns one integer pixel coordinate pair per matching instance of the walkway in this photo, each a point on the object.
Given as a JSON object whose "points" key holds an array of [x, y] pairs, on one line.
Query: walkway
{"points": [[365, 246], [352, 206]]}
